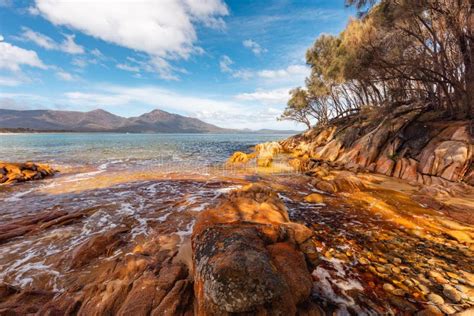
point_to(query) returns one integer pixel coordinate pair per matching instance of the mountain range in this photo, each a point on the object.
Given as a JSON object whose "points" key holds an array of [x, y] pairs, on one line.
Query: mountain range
{"points": [[156, 121]]}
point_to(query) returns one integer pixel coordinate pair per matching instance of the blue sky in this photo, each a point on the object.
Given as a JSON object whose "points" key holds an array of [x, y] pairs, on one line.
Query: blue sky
{"points": [[230, 63]]}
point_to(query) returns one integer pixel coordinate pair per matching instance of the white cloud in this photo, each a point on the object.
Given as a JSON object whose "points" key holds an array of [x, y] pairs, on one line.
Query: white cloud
{"points": [[164, 29], [291, 70], [127, 67], [254, 46], [291, 75], [225, 63], [6, 3], [244, 74], [66, 76], [9, 82], [68, 45], [12, 57], [1, 38], [276, 96], [81, 62], [151, 64], [97, 53]]}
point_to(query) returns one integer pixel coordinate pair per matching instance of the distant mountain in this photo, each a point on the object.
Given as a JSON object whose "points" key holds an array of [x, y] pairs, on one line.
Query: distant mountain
{"points": [[157, 121], [272, 131]]}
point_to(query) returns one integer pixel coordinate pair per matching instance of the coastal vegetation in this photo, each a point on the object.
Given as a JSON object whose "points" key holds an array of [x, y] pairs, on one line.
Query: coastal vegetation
{"points": [[396, 53]]}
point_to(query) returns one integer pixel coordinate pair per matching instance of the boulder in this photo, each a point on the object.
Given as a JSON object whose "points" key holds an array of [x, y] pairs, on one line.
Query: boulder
{"points": [[239, 157], [246, 257], [19, 172]]}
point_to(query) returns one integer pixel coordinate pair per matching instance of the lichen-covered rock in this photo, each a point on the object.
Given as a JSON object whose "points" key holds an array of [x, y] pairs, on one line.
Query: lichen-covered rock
{"points": [[246, 257], [239, 157], [20, 172], [404, 144]]}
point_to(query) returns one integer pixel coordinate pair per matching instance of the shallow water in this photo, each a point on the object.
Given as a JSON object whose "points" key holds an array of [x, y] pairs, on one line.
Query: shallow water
{"points": [[153, 185], [106, 151]]}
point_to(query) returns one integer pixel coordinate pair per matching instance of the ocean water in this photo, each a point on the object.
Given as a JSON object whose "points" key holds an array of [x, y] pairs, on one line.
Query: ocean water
{"points": [[152, 185], [124, 151]]}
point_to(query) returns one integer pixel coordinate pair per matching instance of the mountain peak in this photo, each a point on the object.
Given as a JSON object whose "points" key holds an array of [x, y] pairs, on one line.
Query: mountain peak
{"points": [[156, 121]]}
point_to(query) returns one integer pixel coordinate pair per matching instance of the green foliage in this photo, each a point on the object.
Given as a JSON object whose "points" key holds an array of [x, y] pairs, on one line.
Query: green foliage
{"points": [[399, 52]]}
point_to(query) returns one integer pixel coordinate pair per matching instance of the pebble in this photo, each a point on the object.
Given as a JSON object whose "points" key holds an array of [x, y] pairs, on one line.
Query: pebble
{"points": [[430, 310], [383, 260], [435, 298], [397, 260], [453, 275], [451, 293], [423, 288], [388, 287], [381, 269], [398, 292], [408, 283], [396, 270], [363, 261], [437, 277], [447, 309]]}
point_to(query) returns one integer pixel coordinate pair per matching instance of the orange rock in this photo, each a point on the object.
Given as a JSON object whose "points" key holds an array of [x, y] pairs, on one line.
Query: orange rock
{"points": [[96, 246], [314, 198], [298, 233], [292, 266], [18, 172]]}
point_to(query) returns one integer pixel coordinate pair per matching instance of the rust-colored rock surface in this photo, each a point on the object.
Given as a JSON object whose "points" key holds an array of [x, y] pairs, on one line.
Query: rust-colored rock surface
{"points": [[404, 144], [246, 257]]}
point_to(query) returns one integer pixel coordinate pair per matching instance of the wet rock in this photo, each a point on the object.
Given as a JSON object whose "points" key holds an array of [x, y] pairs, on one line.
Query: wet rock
{"points": [[233, 270], [298, 233], [430, 310], [239, 263], [451, 293], [239, 157], [142, 297], [447, 309], [292, 266], [176, 301], [314, 198], [467, 312], [325, 186], [423, 288], [347, 182], [96, 247], [437, 277], [388, 287], [19, 172], [435, 299]]}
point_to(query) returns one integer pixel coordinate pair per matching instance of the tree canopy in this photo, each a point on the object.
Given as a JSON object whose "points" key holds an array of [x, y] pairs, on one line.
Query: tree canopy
{"points": [[398, 52]]}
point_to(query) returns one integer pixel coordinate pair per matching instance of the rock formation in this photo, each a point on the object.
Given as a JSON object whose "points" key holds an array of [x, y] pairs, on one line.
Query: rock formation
{"points": [[247, 259], [406, 144], [20, 172]]}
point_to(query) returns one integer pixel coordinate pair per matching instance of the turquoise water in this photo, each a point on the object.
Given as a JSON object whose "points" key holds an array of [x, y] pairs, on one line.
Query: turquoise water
{"points": [[126, 150]]}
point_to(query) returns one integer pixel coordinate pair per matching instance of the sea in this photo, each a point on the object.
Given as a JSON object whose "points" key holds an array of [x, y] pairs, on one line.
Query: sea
{"points": [[152, 185]]}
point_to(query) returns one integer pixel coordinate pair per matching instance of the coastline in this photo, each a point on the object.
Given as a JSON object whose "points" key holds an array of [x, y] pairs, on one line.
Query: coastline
{"points": [[348, 237]]}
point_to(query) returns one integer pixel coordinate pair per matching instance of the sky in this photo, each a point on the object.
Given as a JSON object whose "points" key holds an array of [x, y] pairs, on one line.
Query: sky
{"points": [[229, 63]]}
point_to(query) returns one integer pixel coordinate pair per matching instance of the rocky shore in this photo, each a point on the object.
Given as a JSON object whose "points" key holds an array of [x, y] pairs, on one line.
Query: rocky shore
{"points": [[20, 172], [372, 220]]}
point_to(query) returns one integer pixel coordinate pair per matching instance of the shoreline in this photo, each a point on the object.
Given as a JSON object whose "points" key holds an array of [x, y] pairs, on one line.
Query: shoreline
{"points": [[363, 237]]}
